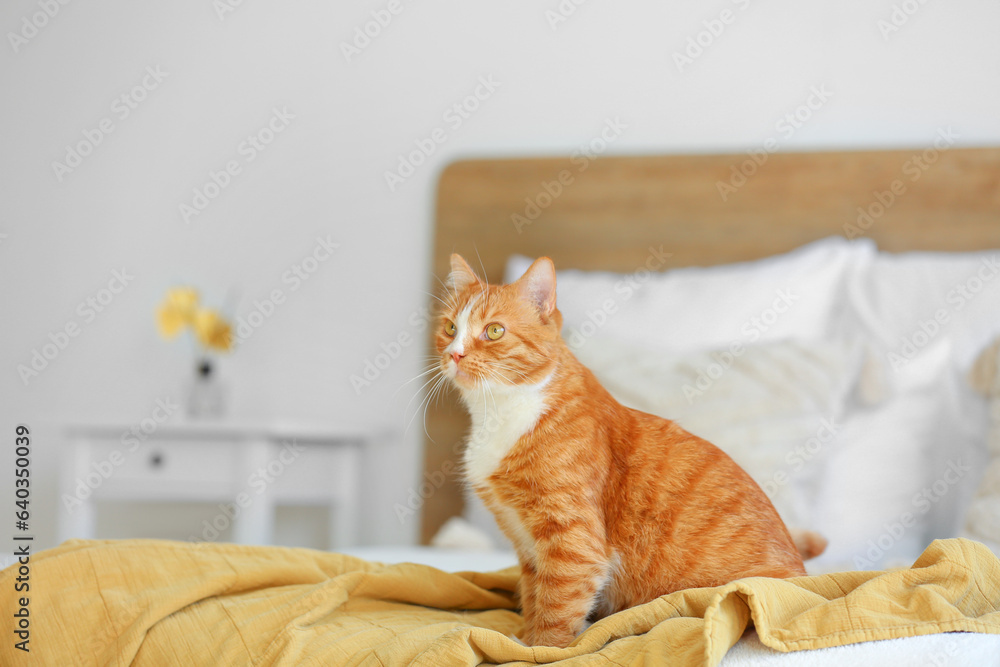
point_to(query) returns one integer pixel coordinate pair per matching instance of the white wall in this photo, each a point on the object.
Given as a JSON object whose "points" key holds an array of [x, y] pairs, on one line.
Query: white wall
{"points": [[324, 174]]}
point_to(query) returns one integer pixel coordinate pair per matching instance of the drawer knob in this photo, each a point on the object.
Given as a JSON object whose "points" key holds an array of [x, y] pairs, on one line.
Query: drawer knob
{"points": [[156, 459]]}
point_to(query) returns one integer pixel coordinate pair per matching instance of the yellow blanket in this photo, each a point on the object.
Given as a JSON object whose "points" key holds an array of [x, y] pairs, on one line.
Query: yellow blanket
{"points": [[157, 603]]}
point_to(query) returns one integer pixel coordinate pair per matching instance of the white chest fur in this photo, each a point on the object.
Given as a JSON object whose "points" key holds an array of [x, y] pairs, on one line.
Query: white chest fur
{"points": [[499, 418]]}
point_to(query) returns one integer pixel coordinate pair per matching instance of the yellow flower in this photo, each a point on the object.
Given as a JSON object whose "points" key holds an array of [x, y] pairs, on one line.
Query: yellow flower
{"points": [[177, 311], [212, 330]]}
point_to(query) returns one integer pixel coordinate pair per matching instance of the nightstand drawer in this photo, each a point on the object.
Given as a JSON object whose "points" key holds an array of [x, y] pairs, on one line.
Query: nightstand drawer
{"points": [[162, 466]]}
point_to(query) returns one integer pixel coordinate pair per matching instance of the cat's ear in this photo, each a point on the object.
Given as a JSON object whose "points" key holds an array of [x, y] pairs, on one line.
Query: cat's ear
{"points": [[538, 285], [461, 275]]}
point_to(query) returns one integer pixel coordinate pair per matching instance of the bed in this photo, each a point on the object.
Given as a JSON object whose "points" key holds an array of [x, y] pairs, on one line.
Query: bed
{"points": [[800, 257], [156, 602], [877, 242]]}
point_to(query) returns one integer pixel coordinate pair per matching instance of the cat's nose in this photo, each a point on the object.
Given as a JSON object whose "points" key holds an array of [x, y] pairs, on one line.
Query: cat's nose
{"points": [[457, 356]]}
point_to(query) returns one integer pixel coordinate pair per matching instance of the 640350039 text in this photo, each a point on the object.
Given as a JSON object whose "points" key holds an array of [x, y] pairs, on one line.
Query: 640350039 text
{"points": [[22, 541]]}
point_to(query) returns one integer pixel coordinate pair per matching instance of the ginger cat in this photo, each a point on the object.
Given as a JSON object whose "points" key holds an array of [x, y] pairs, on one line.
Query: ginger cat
{"points": [[607, 507]]}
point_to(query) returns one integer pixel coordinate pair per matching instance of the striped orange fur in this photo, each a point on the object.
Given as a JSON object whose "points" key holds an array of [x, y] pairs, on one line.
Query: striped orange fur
{"points": [[607, 507]]}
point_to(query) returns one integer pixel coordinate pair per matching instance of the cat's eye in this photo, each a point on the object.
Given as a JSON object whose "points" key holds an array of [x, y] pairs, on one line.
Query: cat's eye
{"points": [[450, 328], [494, 331]]}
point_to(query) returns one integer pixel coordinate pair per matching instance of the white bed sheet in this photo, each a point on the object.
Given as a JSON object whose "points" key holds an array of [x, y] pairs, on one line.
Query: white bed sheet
{"points": [[952, 649]]}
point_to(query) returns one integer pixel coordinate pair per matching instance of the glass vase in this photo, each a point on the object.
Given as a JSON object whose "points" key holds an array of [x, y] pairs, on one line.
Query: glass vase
{"points": [[206, 395]]}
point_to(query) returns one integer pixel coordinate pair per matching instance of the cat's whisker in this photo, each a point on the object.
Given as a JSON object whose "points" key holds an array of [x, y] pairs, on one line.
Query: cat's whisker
{"points": [[482, 386], [489, 388], [482, 267], [496, 410], [511, 369], [425, 402], [430, 397], [438, 278], [417, 393], [435, 394], [415, 378], [437, 298], [503, 379], [435, 380], [431, 361], [437, 391], [499, 378], [448, 287], [484, 285]]}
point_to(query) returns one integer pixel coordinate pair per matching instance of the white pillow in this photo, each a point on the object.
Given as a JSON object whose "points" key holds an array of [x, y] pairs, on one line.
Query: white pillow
{"points": [[898, 479], [926, 315], [910, 302], [982, 516], [795, 295]]}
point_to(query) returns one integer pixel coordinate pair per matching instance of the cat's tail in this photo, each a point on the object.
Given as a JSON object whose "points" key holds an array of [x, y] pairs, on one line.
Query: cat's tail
{"points": [[810, 544]]}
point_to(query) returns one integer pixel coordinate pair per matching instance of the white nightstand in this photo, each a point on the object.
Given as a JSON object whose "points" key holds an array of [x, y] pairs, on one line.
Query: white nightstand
{"points": [[244, 470]]}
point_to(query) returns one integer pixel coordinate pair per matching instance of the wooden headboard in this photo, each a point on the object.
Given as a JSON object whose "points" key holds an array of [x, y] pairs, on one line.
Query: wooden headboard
{"points": [[705, 210]]}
